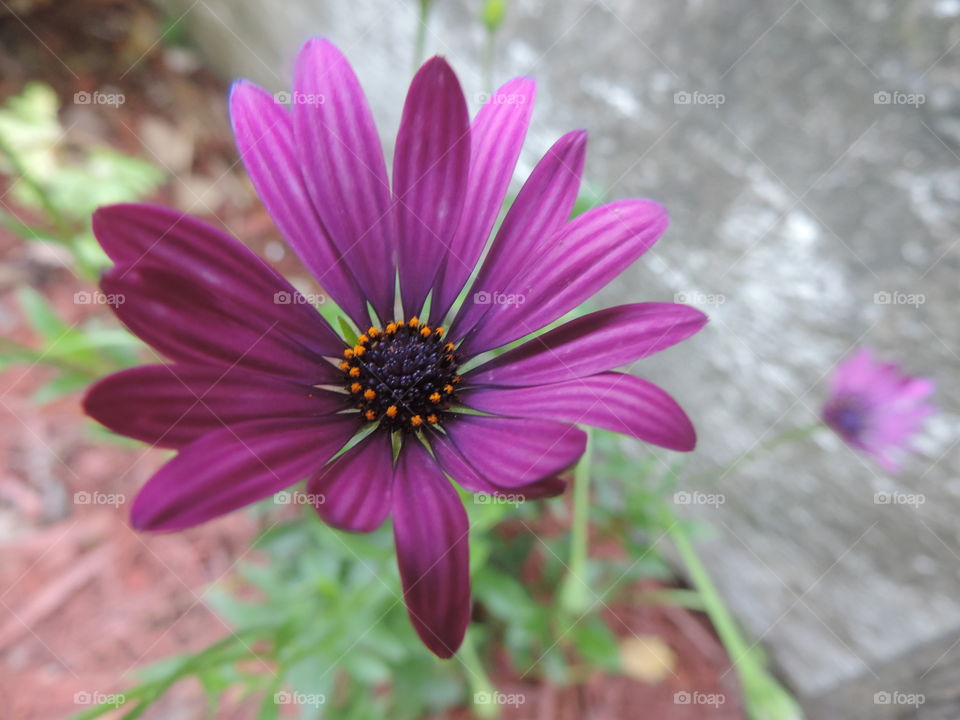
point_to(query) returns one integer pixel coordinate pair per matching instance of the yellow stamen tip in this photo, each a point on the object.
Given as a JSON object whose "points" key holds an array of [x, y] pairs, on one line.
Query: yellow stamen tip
{"points": [[416, 421], [448, 389], [457, 378], [348, 353], [448, 347], [414, 321], [373, 332], [426, 332], [435, 397], [359, 349], [344, 365], [369, 394], [355, 372], [363, 339], [370, 415], [439, 331], [392, 328], [392, 411], [432, 419], [356, 387]]}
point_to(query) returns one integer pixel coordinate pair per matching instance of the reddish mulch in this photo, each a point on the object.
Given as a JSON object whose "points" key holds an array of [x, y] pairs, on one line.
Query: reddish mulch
{"points": [[84, 600]]}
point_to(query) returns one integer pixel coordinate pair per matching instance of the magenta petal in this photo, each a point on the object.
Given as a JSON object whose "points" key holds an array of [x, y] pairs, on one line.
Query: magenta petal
{"points": [[354, 490], [190, 322], [233, 467], [587, 254], [265, 140], [343, 167], [594, 343], [135, 234], [431, 534], [513, 452], [541, 209], [173, 405], [456, 466], [496, 137], [430, 170], [613, 401]]}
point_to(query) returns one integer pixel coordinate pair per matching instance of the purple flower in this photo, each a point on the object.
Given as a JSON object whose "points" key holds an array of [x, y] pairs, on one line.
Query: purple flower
{"points": [[876, 408], [263, 392]]}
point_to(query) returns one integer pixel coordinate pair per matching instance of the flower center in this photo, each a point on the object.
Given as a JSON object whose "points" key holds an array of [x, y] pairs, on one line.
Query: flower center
{"points": [[403, 376], [847, 416]]}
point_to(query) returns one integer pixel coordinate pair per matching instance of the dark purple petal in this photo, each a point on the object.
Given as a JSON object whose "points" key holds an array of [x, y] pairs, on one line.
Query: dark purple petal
{"points": [[235, 466], [134, 235], [513, 452], [613, 401], [496, 137], [430, 170], [542, 207], [263, 129], [594, 343], [173, 405], [456, 466], [355, 488], [431, 533], [343, 167], [191, 322], [587, 254]]}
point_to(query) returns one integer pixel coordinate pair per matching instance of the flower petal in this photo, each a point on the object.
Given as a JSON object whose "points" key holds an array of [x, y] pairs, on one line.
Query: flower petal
{"points": [[431, 533], [233, 467], [355, 488], [430, 170], [135, 234], [343, 167], [190, 321], [454, 464], [263, 129], [513, 452], [173, 405], [542, 207], [496, 137], [613, 401], [583, 257], [594, 343]]}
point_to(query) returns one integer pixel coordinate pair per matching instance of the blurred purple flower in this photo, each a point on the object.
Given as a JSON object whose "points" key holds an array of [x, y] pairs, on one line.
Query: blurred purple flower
{"points": [[876, 408], [262, 391]]}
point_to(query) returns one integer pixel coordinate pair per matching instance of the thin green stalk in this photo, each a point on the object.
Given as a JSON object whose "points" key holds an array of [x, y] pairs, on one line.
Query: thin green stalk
{"points": [[421, 42], [575, 594], [482, 690]]}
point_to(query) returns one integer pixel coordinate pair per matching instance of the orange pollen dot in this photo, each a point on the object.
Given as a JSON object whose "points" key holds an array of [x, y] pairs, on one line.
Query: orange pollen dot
{"points": [[414, 321], [435, 397], [355, 372], [448, 347], [370, 415], [448, 389], [392, 328], [348, 353], [373, 332], [432, 419], [426, 332], [369, 394], [392, 411], [363, 339], [359, 350], [356, 387], [457, 378], [416, 421], [439, 331], [344, 365]]}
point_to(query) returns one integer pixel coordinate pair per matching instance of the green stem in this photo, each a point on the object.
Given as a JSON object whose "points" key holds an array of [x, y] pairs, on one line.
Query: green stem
{"points": [[421, 42], [575, 594], [481, 689], [42, 195]]}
